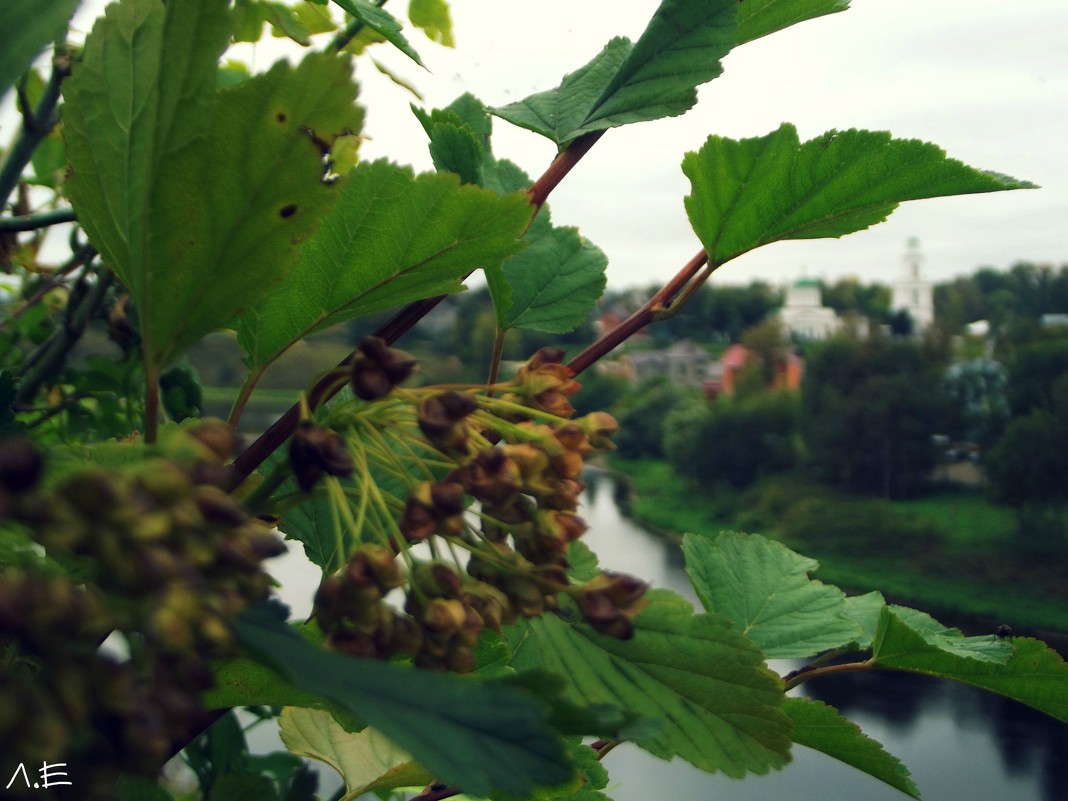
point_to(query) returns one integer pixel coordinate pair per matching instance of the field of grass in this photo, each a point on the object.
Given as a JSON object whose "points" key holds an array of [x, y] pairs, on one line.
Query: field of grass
{"points": [[949, 554], [967, 518]]}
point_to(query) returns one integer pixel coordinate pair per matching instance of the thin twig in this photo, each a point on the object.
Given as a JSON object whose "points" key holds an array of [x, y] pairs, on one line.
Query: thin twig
{"points": [[32, 222], [35, 127], [52, 281], [662, 304], [349, 32], [805, 674], [43, 363]]}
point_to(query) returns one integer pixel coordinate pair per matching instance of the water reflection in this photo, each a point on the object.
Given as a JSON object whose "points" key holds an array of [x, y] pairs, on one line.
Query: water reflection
{"points": [[959, 742]]}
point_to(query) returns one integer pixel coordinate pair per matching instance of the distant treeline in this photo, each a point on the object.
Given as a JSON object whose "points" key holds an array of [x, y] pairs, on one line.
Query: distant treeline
{"points": [[1007, 299]]}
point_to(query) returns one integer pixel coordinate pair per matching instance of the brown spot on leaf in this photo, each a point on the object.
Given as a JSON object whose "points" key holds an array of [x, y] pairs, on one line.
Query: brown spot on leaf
{"points": [[287, 211]]}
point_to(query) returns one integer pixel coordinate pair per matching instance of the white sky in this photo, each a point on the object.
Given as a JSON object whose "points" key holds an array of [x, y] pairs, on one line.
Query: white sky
{"points": [[987, 80]]}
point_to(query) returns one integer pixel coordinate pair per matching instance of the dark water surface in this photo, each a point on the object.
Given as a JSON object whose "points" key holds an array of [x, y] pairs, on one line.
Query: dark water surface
{"points": [[960, 744]]}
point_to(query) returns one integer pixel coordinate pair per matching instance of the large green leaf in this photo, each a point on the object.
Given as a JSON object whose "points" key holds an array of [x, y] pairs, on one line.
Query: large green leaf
{"points": [[367, 760], [392, 237], [749, 192], [482, 736], [758, 18], [25, 28], [822, 728], [198, 198], [555, 282], [655, 77], [718, 703], [764, 588], [1033, 673]]}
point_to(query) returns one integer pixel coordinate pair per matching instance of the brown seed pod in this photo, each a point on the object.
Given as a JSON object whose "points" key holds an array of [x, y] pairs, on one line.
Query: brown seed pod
{"points": [[315, 451], [378, 368]]}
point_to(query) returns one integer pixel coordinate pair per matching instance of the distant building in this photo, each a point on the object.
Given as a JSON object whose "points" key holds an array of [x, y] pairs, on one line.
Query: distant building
{"points": [[789, 370], [912, 293], [804, 314], [684, 363]]}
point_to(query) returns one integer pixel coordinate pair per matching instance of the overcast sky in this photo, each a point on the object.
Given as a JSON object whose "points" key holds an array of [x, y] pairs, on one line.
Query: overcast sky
{"points": [[987, 80]]}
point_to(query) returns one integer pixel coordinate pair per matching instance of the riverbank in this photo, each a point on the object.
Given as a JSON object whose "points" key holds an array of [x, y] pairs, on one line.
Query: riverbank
{"points": [[949, 556]]}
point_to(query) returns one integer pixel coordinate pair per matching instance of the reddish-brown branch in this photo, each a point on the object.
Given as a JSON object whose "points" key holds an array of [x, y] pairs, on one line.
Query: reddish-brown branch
{"points": [[651, 310], [560, 167]]}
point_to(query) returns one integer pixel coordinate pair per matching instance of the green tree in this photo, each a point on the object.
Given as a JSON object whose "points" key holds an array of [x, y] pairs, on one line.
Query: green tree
{"points": [[734, 441], [871, 409], [1029, 464], [1034, 370], [642, 415]]}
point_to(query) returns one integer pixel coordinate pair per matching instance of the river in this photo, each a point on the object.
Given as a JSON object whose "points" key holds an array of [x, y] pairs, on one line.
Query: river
{"points": [[960, 744]]}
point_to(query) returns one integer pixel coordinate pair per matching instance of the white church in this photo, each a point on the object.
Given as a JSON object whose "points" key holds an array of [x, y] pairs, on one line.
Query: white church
{"points": [[912, 292], [805, 316]]}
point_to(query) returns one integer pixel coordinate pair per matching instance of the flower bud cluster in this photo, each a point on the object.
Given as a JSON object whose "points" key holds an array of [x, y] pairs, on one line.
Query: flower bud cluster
{"points": [[442, 619], [164, 555], [511, 501]]}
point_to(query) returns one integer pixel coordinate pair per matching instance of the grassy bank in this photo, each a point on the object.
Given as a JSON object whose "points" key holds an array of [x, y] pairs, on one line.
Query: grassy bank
{"points": [[950, 554]]}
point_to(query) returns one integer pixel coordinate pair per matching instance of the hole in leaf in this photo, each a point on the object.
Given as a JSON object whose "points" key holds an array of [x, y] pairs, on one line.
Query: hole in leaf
{"points": [[287, 211]]}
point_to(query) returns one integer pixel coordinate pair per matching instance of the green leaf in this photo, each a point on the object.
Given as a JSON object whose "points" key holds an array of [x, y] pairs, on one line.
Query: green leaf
{"points": [[367, 760], [749, 192], [552, 285], [25, 29], [434, 19], [822, 728], [764, 588], [1033, 674], [391, 238], [554, 282], [758, 18], [246, 682], [479, 735], [313, 523], [196, 197], [655, 77], [717, 702], [382, 23], [864, 610], [985, 648]]}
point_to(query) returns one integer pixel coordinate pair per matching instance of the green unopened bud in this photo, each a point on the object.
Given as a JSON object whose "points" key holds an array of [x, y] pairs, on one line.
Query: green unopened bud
{"points": [[164, 482]]}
